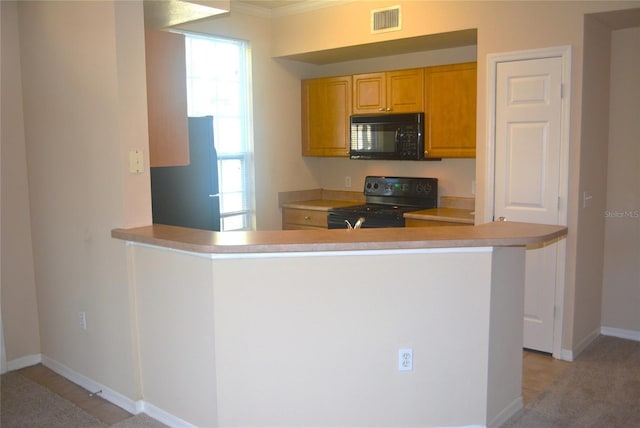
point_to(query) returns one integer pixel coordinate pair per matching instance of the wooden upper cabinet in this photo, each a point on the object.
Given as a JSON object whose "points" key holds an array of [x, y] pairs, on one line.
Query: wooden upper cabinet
{"points": [[450, 95], [167, 98], [446, 94], [400, 91], [405, 91], [326, 107], [369, 93]]}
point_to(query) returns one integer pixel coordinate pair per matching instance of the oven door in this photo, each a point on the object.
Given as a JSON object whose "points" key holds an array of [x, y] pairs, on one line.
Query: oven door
{"points": [[337, 219]]}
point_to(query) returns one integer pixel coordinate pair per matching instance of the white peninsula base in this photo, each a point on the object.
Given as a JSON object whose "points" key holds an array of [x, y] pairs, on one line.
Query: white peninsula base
{"points": [[295, 339]]}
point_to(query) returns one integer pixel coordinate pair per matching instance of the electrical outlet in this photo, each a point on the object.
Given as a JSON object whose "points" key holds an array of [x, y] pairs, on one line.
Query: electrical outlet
{"points": [[405, 360], [82, 320], [347, 182]]}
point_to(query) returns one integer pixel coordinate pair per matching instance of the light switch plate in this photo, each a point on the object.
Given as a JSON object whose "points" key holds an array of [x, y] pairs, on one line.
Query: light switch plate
{"points": [[136, 161]]}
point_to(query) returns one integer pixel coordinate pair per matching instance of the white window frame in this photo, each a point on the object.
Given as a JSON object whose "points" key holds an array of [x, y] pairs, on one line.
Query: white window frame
{"points": [[246, 156]]}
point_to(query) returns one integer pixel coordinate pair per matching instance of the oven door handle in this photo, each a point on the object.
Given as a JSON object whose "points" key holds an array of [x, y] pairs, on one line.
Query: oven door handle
{"points": [[358, 224]]}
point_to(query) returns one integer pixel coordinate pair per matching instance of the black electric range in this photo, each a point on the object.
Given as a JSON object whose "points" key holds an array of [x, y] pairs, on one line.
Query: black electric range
{"points": [[387, 199]]}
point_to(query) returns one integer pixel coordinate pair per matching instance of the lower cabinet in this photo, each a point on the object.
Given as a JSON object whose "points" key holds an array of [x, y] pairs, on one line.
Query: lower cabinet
{"points": [[293, 218]]}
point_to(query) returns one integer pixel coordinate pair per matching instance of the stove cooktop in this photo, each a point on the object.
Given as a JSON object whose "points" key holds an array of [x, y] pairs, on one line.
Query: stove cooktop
{"points": [[387, 199]]}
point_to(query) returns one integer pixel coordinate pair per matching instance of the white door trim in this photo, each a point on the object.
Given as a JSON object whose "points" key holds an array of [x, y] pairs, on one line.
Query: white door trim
{"points": [[563, 52]]}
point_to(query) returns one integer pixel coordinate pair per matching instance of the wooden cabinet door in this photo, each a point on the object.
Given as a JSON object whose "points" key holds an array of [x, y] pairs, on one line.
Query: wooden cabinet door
{"points": [[167, 98], [369, 93], [450, 94], [400, 91], [405, 91], [326, 107]]}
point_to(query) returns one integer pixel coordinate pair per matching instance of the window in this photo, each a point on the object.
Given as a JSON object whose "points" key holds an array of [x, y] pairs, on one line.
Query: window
{"points": [[218, 85]]}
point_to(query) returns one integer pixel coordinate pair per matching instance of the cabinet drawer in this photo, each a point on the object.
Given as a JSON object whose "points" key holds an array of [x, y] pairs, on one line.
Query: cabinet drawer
{"points": [[307, 218]]}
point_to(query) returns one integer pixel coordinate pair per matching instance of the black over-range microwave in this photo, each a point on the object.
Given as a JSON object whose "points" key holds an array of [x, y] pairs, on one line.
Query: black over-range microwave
{"points": [[387, 136]]}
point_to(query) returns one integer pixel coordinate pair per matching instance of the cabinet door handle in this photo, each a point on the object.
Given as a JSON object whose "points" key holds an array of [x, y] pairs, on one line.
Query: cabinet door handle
{"points": [[381, 109], [307, 217], [388, 108]]}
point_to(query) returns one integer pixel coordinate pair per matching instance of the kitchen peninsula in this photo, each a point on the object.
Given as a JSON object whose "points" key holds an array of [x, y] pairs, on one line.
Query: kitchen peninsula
{"points": [[304, 327]]}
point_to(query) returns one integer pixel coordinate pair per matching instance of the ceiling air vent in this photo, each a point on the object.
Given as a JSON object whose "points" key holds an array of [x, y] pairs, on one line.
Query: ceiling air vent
{"points": [[387, 19]]}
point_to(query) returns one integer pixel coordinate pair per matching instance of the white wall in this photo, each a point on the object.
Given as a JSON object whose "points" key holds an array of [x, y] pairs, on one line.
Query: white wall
{"points": [[175, 313], [621, 279], [592, 157], [19, 309], [312, 340], [84, 109]]}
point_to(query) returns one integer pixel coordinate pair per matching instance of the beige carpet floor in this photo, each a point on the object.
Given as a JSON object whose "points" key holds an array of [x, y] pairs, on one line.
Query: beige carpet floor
{"points": [[26, 404], [600, 389]]}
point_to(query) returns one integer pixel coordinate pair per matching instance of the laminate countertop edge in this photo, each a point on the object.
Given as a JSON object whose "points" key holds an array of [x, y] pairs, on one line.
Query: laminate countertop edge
{"points": [[496, 234]]}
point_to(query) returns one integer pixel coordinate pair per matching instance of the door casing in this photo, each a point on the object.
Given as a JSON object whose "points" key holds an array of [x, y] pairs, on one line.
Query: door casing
{"points": [[563, 52]]}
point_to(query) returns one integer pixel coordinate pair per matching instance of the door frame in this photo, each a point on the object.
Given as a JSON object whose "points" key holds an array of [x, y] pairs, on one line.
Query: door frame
{"points": [[564, 53]]}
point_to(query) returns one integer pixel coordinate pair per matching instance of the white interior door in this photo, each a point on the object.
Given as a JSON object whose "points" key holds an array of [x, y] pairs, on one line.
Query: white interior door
{"points": [[527, 179]]}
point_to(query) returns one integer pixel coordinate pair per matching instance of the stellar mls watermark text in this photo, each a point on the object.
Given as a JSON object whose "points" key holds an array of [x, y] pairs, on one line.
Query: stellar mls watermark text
{"points": [[622, 214]]}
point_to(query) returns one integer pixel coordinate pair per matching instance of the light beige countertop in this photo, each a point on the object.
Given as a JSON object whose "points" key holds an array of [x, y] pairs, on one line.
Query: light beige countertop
{"points": [[453, 209], [319, 204], [495, 234], [454, 215]]}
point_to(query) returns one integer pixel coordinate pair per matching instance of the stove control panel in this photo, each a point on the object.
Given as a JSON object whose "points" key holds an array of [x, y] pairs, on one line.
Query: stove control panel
{"points": [[399, 186], [402, 190]]}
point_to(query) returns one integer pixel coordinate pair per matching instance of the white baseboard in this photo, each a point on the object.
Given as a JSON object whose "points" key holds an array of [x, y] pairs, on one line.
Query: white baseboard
{"points": [[90, 385], [164, 417], [569, 355], [566, 355], [22, 362], [584, 343], [621, 333], [514, 407]]}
